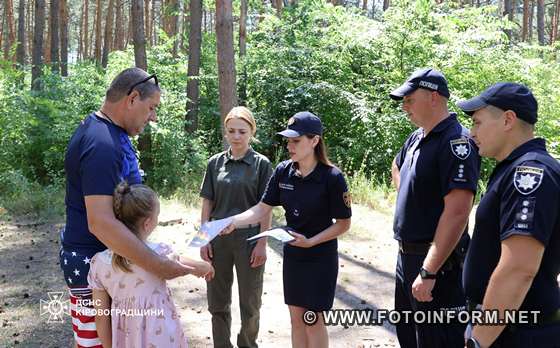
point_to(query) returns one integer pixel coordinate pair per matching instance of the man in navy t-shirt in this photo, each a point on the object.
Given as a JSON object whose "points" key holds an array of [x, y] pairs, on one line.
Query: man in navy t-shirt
{"points": [[513, 263], [98, 157], [436, 174]]}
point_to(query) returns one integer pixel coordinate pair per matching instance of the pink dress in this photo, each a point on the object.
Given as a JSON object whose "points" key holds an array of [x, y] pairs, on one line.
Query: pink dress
{"points": [[142, 311]]}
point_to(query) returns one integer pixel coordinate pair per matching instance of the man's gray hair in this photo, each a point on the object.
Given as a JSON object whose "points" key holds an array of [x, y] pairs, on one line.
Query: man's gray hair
{"points": [[127, 78]]}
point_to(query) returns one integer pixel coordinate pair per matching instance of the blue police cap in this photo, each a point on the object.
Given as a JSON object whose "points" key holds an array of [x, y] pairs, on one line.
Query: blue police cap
{"points": [[506, 96], [427, 78], [303, 123]]}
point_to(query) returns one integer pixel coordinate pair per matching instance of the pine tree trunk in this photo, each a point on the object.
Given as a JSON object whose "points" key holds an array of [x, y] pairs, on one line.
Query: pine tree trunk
{"points": [[63, 38], [20, 51], [524, 28], [555, 22], [243, 28], [226, 59], [86, 30], [107, 47], [138, 34], [37, 60], [47, 39], [531, 17], [118, 43], [386, 4], [153, 26], [147, 22], [195, 39], [98, 24], [540, 21], [55, 43], [11, 39], [30, 16], [279, 6], [364, 6]]}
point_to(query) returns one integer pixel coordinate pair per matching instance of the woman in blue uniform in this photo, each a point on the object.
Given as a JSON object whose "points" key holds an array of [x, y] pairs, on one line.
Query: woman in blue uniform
{"points": [[313, 193]]}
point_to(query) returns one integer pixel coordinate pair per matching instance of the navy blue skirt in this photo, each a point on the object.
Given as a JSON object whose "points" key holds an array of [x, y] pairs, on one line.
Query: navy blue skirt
{"points": [[310, 280]]}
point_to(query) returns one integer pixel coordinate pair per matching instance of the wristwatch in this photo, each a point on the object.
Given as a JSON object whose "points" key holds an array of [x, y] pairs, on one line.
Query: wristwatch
{"points": [[472, 343], [427, 275]]}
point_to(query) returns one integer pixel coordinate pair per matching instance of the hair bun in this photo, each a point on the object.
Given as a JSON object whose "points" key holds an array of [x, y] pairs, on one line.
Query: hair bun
{"points": [[123, 188]]}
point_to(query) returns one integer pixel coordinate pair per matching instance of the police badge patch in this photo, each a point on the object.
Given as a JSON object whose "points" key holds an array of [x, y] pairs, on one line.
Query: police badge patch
{"points": [[527, 179], [461, 148]]}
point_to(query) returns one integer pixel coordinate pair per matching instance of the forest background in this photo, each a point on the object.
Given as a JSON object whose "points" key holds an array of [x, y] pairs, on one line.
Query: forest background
{"points": [[338, 59]]}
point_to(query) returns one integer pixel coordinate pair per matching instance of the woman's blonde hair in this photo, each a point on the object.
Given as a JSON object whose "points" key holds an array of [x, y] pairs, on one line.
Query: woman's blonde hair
{"points": [[131, 205], [242, 113]]}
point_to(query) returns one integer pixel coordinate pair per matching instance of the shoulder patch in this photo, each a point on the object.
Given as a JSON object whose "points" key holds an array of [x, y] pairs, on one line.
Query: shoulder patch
{"points": [[347, 197], [527, 179], [461, 148]]}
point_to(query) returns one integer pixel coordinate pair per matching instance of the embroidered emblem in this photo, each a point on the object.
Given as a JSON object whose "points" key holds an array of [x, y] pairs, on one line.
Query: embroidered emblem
{"points": [[429, 85], [527, 179], [291, 121], [347, 197], [461, 148]]}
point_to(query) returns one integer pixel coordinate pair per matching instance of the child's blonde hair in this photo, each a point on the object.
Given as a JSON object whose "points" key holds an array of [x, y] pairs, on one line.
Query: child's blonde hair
{"points": [[131, 204]]}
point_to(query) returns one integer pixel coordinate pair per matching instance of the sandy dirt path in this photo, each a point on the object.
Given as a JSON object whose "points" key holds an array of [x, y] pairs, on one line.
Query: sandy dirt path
{"points": [[29, 270]]}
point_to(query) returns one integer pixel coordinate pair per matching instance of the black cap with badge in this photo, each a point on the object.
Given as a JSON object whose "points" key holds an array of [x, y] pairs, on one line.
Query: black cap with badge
{"points": [[427, 78], [505, 96], [303, 123]]}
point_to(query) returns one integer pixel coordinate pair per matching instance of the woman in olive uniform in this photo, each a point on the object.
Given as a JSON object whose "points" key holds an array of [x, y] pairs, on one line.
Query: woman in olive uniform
{"points": [[235, 180], [313, 193]]}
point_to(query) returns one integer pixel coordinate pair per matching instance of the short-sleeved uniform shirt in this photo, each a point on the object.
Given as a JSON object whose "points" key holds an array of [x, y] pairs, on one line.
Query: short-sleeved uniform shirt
{"points": [[232, 185], [522, 198], [310, 203], [98, 157], [430, 167]]}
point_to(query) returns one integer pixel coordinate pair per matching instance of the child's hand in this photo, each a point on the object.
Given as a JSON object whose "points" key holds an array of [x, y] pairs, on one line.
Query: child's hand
{"points": [[203, 269]]}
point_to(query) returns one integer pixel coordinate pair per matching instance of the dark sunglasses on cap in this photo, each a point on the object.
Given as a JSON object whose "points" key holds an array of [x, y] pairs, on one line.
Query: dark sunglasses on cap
{"points": [[142, 81]]}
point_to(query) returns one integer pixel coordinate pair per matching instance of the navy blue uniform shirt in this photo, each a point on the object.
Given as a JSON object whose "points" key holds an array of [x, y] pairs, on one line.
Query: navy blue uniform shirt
{"points": [[522, 198], [310, 203], [431, 166], [98, 157]]}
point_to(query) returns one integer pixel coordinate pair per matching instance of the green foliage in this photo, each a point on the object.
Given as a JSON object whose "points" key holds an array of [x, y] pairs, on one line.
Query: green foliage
{"points": [[327, 59]]}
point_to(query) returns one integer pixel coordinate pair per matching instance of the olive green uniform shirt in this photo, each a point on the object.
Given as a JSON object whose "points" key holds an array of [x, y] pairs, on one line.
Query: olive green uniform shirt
{"points": [[235, 185]]}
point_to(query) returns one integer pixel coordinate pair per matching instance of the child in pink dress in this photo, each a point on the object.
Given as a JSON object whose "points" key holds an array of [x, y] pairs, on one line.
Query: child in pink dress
{"points": [[133, 306]]}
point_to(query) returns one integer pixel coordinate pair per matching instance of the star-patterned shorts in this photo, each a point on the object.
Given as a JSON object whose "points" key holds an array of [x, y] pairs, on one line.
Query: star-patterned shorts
{"points": [[75, 266]]}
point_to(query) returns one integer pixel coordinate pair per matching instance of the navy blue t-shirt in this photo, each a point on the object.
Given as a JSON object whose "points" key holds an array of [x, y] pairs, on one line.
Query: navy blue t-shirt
{"points": [[430, 167], [522, 198], [310, 203], [98, 157]]}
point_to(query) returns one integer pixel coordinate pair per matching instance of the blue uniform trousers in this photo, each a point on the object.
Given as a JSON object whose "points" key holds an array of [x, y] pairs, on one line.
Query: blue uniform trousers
{"points": [[447, 294]]}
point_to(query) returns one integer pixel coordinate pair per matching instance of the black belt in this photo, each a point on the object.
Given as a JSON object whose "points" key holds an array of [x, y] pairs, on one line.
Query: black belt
{"points": [[414, 248]]}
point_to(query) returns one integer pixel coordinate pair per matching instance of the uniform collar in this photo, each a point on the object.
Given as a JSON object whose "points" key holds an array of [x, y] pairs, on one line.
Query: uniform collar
{"points": [[248, 158], [535, 144], [316, 174], [444, 124]]}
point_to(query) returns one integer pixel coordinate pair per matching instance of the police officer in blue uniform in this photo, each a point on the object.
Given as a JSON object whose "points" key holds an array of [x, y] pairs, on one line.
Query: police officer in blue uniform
{"points": [[312, 192], [436, 174], [513, 261]]}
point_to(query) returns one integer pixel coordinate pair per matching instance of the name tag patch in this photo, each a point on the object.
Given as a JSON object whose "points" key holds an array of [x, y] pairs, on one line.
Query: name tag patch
{"points": [[286, 186]]}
